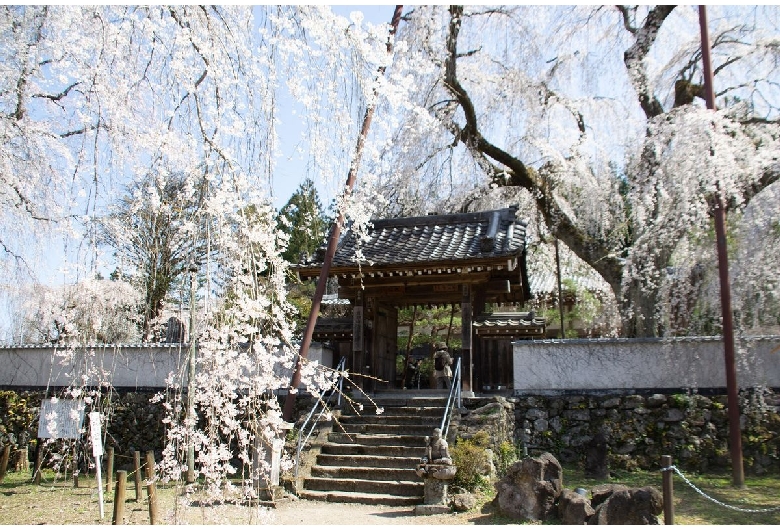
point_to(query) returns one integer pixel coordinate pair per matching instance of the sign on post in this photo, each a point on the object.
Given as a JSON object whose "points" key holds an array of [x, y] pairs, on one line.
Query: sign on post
{"points": [[97, 452]]}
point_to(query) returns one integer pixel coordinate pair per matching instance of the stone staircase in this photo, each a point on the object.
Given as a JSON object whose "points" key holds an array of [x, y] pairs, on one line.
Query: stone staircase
{"points": [[370, 458]]}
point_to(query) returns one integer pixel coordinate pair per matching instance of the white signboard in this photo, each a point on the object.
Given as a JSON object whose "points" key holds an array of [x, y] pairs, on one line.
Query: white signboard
{"points": [[94, 434], [97, 450], [61, 418]]}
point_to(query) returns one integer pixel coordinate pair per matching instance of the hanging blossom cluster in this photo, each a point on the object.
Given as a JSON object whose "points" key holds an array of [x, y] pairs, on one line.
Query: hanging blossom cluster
{"points": [[692, 159], [107, 101]]}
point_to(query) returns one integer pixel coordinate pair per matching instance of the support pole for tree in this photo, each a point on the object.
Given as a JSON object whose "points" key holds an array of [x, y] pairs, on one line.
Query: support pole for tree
{"points": [[191, 382], [560, 289], [335, 232], [735, 435]]}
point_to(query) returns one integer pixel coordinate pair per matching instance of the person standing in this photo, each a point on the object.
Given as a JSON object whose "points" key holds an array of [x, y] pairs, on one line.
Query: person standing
{"points": [[442, 361]]}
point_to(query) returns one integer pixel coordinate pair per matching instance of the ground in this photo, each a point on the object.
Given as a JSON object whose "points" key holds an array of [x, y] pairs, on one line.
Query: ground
{"points": [[56, 501]]}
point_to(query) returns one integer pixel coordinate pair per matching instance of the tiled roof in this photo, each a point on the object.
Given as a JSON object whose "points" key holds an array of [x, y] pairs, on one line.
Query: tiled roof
{"points": [[545, 284], [444, 239]]}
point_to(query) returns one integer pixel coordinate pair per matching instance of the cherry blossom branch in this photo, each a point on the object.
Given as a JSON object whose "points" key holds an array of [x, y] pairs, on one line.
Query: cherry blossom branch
{"points": [[519, 174], [635, 55]]}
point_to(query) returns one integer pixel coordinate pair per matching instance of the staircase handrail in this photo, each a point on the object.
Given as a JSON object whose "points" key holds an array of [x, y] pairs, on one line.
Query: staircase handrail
{"points": [[453, 398], [322, 402]]}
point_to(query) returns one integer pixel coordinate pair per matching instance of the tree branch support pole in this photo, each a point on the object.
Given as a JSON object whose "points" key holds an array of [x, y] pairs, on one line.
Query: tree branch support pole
{"points": [[560, 288], [191, 383], [335, 232], [735, 435]]}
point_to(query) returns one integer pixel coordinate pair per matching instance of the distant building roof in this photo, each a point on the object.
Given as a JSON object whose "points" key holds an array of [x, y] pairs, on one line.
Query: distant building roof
{"points": [[515, 324], [545, 284]]}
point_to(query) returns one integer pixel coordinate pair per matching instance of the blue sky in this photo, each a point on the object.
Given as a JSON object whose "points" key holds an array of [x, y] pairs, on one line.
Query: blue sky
{"points": [[290, 169]]}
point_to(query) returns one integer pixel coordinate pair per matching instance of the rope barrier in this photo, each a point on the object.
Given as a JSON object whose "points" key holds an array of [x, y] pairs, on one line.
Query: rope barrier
{"points": [[716, 501]]}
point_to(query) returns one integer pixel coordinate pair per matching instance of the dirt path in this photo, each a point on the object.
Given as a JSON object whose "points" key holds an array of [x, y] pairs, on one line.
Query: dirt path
{"points": [[299, 512]]}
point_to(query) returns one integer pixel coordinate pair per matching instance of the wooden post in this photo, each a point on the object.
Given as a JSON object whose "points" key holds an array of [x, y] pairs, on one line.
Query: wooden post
{"points": [[149, 469], [4, 461], [137, 475], [466, 362], [668, 489], [109, 467], [75, 465], [21, 460], [151, 490], [727, 316], [38, 460], [119, 497]]}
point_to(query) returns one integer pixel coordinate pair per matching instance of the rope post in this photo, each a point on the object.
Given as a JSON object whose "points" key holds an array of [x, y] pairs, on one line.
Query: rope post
{"points": [[4, 461], [75, 465], [109, 467], [151, 489], [668, 489], [137, 475], [119, 498], [38, 463]]}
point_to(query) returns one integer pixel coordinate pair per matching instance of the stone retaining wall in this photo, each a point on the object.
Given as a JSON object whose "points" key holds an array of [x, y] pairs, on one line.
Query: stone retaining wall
{"points": [[692, 428], [134, 423]]}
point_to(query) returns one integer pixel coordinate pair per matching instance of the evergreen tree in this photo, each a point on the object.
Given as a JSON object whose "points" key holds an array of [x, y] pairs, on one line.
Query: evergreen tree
{"points": [[305, 222]]}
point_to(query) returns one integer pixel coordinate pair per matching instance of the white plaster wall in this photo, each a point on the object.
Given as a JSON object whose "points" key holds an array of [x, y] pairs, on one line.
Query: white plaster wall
{"points": [[624, 364], [126, 366], [122, 366]]}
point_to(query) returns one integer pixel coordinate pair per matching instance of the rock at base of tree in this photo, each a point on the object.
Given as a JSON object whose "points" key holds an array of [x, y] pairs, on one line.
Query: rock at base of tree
{"points": [[630, 506], [596, 453], [530, 488], [573, 508], [463, 502]]}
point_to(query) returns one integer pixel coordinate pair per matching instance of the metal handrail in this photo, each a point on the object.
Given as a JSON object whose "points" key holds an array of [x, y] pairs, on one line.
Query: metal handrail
{"points": [[323, 402], [454, 396]]}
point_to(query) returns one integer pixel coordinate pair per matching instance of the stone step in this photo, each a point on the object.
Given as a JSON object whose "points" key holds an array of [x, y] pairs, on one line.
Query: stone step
{"points": [[349, 449], [370, 460], [352, 485], [381, 474], [395, 403], [362, 498], [406, 440], [381, 428], [400, 417]]}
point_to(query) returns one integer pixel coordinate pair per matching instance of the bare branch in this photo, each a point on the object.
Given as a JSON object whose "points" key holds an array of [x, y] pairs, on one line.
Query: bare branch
{"points": [[634, 58], [626, 12], [518, 174]]}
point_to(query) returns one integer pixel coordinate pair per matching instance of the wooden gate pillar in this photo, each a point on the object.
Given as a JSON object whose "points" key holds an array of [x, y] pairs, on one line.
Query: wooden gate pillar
{"points": [[466, 361]]}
